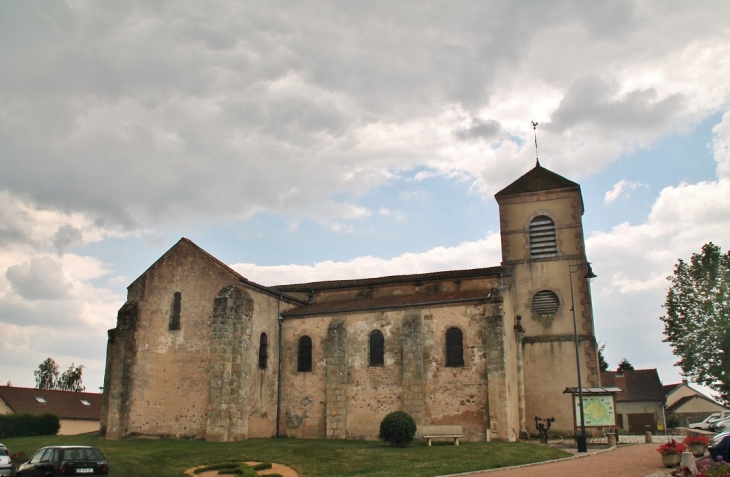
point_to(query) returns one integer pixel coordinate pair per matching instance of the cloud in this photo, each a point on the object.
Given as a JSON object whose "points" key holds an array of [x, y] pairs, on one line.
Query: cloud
{"points": [[144, 116], [66, 236], [487, 252], [620, 188], [600, 103], [40, 279], [721, 146], [479, 129]]}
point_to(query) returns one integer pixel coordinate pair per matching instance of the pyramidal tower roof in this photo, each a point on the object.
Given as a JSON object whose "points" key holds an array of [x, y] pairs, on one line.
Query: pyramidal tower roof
{"points": [[535, 180]]}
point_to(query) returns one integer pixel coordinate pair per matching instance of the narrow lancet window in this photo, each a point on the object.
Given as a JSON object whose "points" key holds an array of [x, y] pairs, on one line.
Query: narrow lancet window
{"points": [[175, 316], [454, 347], [377, 349], [263, 351], [304, 354]]}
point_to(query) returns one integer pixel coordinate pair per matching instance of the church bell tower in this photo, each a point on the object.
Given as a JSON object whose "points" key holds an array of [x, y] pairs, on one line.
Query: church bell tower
{"points": [[543, 254]]}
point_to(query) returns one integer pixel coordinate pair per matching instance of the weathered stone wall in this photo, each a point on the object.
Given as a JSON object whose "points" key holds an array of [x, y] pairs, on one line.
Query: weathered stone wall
{"points": [[304, 393], [160, 379], [118, 382], [336, 379], [344, 397], [413, 381], [230, 365]]}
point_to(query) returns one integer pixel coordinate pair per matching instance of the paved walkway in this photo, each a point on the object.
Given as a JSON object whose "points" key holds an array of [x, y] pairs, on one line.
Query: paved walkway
{"points": [[633, 458]]}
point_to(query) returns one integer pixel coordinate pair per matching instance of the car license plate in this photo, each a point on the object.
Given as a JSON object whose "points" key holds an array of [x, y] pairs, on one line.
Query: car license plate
{"points": [[84, 470]]}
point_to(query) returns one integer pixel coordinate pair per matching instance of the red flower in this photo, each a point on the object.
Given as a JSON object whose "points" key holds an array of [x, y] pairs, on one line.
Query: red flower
{"points": [[691, 440], [672, 447]]}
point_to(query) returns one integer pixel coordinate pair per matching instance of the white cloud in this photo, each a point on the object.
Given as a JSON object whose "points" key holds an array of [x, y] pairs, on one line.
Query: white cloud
{"points": [[483, 253], [621, 188], [143, 116]]}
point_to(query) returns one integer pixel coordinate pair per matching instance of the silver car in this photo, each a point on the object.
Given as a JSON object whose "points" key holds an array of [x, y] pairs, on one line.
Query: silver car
{"points": [[6, 465]]}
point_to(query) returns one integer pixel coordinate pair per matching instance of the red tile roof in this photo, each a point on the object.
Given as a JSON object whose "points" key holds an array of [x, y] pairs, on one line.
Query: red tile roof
{"points": [[363, 282], [391, 302], [64, 404], [535, 180], [637, 385]]}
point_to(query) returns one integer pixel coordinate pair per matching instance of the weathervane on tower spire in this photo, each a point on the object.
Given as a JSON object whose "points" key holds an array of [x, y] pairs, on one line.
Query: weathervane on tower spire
{"points": [[534, 128]]}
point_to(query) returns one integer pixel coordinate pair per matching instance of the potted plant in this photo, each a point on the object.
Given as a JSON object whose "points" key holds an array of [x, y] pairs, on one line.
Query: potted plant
{"points": [[697, 445], [672, 453]]}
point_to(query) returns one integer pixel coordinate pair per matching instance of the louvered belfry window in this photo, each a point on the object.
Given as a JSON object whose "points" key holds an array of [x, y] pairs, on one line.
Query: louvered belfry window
{"points": [[454, 348], [377, 349], [304, 354], [263, 351], [175, 316], [545, 303], [543, 242]]}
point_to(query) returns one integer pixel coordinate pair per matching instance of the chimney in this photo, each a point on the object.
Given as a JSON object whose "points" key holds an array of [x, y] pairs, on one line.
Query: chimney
{"points": [[684, 381]]}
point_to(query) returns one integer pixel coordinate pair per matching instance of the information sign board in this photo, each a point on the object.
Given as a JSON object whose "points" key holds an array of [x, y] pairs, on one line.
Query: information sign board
{"points": [[599, 410]]}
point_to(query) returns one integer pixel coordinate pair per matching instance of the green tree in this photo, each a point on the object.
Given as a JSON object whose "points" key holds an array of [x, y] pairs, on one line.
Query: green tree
{"points": [[70, 380], [624, 365], [601, 358], [46, 375], [697, 320]]}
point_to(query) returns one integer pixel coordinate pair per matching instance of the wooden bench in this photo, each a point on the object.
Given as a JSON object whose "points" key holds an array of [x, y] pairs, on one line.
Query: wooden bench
{"points": [[441, 432]]}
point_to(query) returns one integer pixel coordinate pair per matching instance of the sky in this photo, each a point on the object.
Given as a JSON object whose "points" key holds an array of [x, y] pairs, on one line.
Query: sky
{"points": [[302, 141]]}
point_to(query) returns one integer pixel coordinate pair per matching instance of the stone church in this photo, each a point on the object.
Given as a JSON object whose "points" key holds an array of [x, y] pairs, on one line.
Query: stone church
{"points": [[200, 351]]}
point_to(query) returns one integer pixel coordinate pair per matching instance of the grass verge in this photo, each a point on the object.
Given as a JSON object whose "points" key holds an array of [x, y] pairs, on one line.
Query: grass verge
{"points": [[171, 457]]}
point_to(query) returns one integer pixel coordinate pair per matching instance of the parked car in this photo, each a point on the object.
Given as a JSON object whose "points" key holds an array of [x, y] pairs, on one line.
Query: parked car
{"points": [[720, 446], [718, 422], [707, 422], [721, 425], [65, 460], [6, 464]]}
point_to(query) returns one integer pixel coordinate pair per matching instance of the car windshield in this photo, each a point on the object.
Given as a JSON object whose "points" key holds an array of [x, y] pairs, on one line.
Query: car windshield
{"points": [[82, 454], [4, 451]]}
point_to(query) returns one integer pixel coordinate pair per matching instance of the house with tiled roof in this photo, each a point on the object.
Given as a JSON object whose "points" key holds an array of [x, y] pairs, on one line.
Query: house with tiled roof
{"points": [[201, 351], [78, 412], [640, 403], [687, 404]]}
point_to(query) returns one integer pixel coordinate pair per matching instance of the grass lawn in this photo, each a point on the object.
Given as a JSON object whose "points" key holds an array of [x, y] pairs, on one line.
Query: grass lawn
{"points": [[171, 457]]}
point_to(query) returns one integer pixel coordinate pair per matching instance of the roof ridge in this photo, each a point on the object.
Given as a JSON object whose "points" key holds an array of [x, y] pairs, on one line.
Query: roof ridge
{"points": [[344, 283]]}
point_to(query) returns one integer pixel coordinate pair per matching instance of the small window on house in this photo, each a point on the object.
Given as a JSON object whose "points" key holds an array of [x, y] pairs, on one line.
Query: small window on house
{"points": [[263, 351], [304, 354], [85, 402], [377, 349], [175, 317], [543, 241], [545, 303], [454, 347], [40, 399]]}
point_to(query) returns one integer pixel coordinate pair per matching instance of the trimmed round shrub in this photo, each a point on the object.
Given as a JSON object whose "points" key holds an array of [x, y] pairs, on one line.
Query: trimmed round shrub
{"points": [[398, 428]]}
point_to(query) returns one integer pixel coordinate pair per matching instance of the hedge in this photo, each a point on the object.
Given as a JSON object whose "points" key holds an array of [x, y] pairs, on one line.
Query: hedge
{"points": [[24, 424]]}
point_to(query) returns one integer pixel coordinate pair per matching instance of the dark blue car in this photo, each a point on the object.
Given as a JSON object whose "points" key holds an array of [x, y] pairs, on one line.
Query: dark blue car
{"points": [[720, 446]]}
